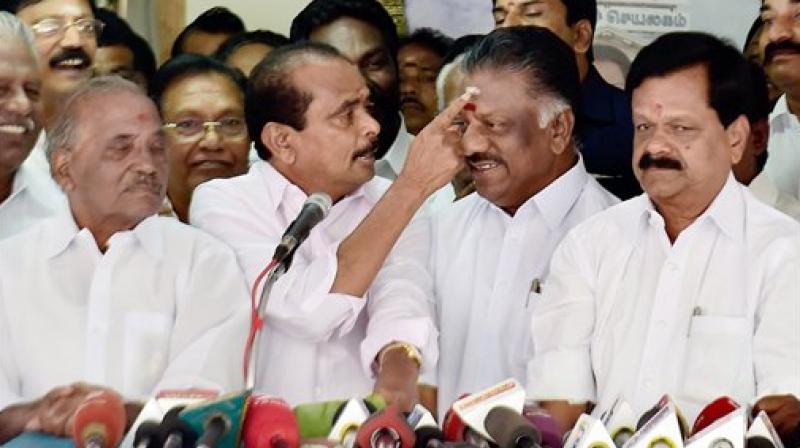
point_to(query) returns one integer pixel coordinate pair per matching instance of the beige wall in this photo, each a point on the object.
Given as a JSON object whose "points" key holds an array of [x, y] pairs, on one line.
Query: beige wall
{"points": [[275, 15]]}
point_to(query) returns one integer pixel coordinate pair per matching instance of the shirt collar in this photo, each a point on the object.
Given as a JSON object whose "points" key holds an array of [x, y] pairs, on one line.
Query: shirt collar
{"points": [[64, 230], [727, 210], [557, 199], [780, 113], [396, 155]]}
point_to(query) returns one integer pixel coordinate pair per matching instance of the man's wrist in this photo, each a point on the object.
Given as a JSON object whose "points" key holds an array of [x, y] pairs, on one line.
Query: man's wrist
{"points": [[398, 350]]}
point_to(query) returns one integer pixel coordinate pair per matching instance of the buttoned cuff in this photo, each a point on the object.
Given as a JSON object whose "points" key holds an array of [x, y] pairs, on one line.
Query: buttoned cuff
{"points": [[419, 332], [561, 375]]}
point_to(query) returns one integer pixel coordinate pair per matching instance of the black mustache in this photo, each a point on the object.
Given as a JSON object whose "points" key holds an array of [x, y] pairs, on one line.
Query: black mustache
{"points": [[475, 158], [71, 53], [410, 99], [772, 47], [372, 147], [647, 161]]}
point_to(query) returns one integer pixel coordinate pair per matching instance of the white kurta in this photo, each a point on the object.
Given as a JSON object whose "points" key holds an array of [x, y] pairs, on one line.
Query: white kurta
{"points": [[765, 190], [145, 315], [484, 262], [318, 345], [628, 315], [783, 163], [33, 198]]}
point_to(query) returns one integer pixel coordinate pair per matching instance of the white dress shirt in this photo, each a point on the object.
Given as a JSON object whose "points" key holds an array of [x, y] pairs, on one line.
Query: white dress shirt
{"points": [[483, 263], [765, 190], [628, 315], [317, 345], [389, 166], [783, 163], [32, 198], [143, 316]]}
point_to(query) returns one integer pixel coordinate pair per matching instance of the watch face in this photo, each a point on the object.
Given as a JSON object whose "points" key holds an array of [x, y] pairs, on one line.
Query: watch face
{"points": [[721, 443]]}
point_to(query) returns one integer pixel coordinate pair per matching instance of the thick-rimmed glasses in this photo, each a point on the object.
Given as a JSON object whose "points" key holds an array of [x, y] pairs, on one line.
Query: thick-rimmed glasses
{"points": [[194, 129], [55, 26]]}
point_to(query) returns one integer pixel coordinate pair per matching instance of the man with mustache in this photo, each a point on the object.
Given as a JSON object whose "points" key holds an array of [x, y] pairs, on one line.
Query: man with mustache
{"points": [[363, 31], [351, 315], [24, 198], [690, 289], [490, 250], [780, 43], [66, 40], [105, 295], [419, 59]]}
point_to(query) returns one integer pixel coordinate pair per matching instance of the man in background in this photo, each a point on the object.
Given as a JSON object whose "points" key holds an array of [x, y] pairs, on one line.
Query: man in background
{"points": [[420, 57]]}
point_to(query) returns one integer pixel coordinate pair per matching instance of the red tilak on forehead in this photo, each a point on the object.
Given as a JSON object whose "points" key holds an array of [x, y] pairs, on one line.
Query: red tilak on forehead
{"points": [[141, 117], [470, 107]]}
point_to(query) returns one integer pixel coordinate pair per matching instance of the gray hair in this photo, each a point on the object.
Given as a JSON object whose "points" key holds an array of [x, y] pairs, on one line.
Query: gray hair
{"points": [[441, 79], [13, 28], [64, 130]]}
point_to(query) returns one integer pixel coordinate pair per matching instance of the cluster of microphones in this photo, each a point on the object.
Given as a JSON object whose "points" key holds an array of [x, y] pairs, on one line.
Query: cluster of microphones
{"points": [[497, 417]]}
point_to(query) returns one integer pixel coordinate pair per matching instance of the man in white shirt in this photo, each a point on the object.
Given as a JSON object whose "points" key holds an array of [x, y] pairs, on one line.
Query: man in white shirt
{"points": [[24, 198], [363, 31], [780, 44], [105, 294], [690, 289], [490, 250], [353, 312]]}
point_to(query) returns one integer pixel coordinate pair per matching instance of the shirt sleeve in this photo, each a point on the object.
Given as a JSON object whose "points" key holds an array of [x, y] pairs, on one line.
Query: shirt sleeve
{"points": [[776, 346], [563, 323], [9, 374], [400, 300], [211, 323], [300, 302]]}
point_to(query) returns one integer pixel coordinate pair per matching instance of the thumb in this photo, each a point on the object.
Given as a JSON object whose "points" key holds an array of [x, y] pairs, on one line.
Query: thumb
{"points": [[33, 425]]}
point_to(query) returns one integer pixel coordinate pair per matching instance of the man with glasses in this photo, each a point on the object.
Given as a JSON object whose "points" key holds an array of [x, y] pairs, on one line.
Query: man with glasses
{"points": [[202, 102], [65, 32]]}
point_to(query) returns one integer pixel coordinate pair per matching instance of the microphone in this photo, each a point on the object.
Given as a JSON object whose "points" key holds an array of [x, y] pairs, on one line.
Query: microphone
{"points": [[270, 423], [218, 422], [762, 433], [386, 429], [314, 210], [549, 428], [175, 432], [216, 427], [474, 408], [588, 432], [349, 417], [428, 437], [727, 431], [713, 411], [620, 422], [456, 431], [509, 429], [662, 430], [316, 420], [759, 442], [148, 435], [99, 422]]}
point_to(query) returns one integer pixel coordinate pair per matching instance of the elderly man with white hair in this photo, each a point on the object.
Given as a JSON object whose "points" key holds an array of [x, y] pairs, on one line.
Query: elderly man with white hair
{"points": [[104, 294], [24, 197]]}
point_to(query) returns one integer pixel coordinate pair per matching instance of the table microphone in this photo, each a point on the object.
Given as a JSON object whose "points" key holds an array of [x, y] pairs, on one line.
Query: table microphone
{"points": [[713, 411], [509, 429], [386, 429], [99, 422], [148, 435], [270, 423]]}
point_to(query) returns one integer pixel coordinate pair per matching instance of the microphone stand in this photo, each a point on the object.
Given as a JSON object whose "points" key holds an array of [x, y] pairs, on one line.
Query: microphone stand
{"points": [[254, 354]]}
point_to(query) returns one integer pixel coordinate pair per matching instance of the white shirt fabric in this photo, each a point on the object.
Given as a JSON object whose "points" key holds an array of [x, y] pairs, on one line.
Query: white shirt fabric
{"points": [[626, 315], [318, 345], [392, 162], [150, 313], [765, 190], [32, 199], [783, 163], [483, 263]]}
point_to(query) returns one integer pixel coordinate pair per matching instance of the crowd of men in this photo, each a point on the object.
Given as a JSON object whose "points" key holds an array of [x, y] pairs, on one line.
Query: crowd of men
{"points": [[499, 211]]}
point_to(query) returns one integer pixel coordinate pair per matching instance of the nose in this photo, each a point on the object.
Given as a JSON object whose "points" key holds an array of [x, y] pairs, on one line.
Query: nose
{"points": [[71, 38], [473, 141], [656, 144], [211, 140], [513, 18], [370, 126], [407, 87], [19, 102], [782, 28]]}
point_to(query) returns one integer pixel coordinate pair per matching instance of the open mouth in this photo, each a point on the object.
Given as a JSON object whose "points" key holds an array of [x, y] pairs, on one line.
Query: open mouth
{"points": [[71, 61], [482, 166], [365, 155], [17, 128], [210, 164]]}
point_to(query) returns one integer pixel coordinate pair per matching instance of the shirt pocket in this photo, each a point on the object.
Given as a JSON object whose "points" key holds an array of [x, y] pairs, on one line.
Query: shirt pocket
{"points": [[718, 356], [146, 344]]}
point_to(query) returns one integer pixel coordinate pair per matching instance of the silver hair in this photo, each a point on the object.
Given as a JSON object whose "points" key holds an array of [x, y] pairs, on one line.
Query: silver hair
{"points": [[13, 28], [441, 79], [64, 130]]}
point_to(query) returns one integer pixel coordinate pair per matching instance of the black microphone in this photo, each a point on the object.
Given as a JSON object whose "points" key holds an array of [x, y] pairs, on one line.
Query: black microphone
{"points": [[429, 437], [759, 442], [510, 429], [148, 435], [314, 210], [216, 427], [175, 432]]}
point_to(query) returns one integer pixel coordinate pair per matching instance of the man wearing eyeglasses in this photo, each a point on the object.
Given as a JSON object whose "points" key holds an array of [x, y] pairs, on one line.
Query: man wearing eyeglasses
{"points": [[202, 103], [66, 41]]}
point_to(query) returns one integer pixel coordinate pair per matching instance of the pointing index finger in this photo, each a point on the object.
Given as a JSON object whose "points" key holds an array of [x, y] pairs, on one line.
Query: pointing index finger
{"points": [[445, 118]]}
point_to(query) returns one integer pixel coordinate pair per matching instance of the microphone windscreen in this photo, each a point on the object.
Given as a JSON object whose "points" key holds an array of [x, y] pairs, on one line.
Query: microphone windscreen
{"points": [[101, 417], [270, 423], [453, 427], [388, 423], [173, 425], [316, 419], [647, 416], [148, 435], [428, 437], [549, 428], [759, 442], [510, 429], [715, 410]]}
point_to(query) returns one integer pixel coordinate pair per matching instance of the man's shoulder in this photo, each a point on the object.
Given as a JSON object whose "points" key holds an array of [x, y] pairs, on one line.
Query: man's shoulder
{"points": [[459, 211], [765, 224], [611, 223], [178, 236]]}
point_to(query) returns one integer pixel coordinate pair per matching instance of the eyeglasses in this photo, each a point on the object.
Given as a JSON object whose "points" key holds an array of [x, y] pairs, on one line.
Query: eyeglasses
{"points": [[55, 26], [193, 129]]}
